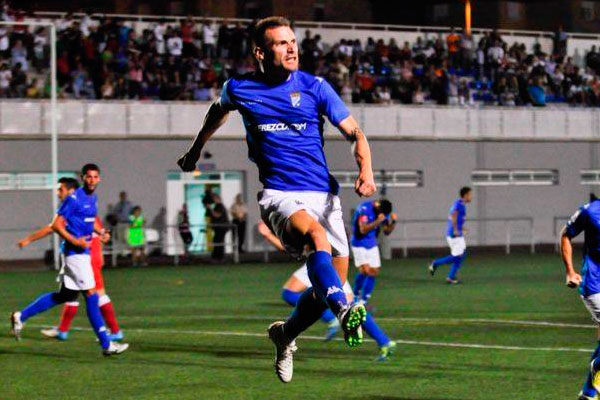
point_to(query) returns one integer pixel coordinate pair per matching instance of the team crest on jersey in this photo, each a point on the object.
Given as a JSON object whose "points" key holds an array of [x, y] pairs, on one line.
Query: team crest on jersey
{"points": [[295, 97]]}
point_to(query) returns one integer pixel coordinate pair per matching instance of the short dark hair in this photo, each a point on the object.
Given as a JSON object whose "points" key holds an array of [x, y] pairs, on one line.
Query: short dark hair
{"points": [[464, 190], [70, 183], [385, 206], [89, 167], [261, 26]]}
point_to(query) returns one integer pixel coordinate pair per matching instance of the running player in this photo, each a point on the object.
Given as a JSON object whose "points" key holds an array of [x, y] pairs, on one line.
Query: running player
{"points": [[283, 111], [97, 260], [74, 222], [587, 220], [455, 237], [370, 218], [298, 282]]}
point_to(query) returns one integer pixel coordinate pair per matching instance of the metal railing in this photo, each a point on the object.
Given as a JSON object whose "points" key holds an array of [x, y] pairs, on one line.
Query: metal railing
{"points": [[169, 242], [118, 245], [313, 24], [435, 227]]}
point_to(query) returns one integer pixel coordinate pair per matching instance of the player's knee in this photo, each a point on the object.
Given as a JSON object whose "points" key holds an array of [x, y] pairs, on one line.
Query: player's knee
{"points": [[318, 237]]}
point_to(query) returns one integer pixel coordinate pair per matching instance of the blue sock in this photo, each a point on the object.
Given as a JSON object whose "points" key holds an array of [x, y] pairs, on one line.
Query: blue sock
{"points": [[308, 311], [368, 288], [290, 297], [325, 280], [375, 331], [456, 266], [443, 260], [588, 389], [39, 305], [327, 316], [95, 318], [359, 281]]}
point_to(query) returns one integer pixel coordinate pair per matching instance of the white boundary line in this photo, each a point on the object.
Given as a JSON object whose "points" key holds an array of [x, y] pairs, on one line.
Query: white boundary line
{"points": [[320, 338], [525, 323]]}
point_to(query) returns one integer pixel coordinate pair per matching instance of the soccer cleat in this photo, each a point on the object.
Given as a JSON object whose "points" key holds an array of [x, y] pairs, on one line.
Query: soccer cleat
{"points": [[332, 330], [431, 269], [451, 281], [116, 337], [284, 357], [55, 334], [386, 350], [115, 348], [582, 396], [16, 324], [351, 318]]}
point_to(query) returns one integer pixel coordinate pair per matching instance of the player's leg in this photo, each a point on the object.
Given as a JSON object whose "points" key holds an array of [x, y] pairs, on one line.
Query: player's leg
{"points": [[592, 383], [458, 250], [39, 305], [456, 264], [108, 313], [386, 346], [321, 272], [66, 318], [359, 279]]}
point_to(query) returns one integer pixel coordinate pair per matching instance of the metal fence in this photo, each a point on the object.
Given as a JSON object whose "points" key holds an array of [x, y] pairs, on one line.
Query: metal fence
{"points": [[427, 232]]}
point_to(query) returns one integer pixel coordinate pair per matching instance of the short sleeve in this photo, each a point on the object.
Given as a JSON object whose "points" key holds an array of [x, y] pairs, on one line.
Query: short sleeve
{"points": [[576, 223], [330, 104], [67, 207], [225, 99]]}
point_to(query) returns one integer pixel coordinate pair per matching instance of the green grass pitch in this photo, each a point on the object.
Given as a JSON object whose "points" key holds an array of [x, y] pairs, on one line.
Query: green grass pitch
{"points": [[198, 332]]}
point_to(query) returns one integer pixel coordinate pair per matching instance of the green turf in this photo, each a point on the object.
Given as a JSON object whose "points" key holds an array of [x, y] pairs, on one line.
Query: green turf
{"points": [[171, 317]]}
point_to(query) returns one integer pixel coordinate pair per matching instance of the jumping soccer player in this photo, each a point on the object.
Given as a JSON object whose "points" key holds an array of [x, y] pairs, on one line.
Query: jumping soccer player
{"points": [[283, 111], [74, 222], [368, 220], [587, 220], [455, 237], [66, 187], [298, 282]]}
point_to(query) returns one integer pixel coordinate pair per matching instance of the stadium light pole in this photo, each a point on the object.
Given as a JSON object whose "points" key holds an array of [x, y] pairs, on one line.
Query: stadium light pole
{"points": [[53, 118]]}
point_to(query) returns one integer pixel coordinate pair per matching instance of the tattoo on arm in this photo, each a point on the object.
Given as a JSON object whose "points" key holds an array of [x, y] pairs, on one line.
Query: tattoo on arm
{"points": [[354, 135]]}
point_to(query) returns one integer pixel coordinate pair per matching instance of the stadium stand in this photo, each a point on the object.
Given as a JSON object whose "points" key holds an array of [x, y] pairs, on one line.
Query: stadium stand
{"points": [[105, 57]]}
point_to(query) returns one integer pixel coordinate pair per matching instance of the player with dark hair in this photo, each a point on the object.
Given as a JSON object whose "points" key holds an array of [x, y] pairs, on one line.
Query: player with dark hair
{"points": [[455, 236], [283, 111], [587, 220], [75, 222], [66, 187], [369, 219]]}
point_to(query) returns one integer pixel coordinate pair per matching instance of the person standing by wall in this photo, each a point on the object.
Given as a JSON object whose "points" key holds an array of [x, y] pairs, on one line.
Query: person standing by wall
{"points": [[135, 238], [239, 213]]}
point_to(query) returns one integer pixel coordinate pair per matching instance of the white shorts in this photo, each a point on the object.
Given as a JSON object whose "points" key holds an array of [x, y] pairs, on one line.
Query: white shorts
{"points": [[457, 245], [592, 303], [364, 256], [277, 206], [302, 275], [76, 272]]}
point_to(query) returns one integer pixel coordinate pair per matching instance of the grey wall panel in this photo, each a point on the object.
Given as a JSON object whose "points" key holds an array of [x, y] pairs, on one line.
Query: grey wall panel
{"points": [[140, 168]]}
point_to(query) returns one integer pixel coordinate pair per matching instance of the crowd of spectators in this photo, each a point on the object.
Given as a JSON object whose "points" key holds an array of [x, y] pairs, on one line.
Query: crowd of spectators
{"points": [[106, 59]]}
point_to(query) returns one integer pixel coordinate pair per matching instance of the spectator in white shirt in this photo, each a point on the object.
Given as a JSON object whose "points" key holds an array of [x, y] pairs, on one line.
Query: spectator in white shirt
{"points": [[208, 39], [175, 45]]}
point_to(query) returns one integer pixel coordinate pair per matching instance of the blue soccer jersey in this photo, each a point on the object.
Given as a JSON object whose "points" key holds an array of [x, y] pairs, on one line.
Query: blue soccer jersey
{"points": [[284, 128], [461, 215], [79, 211], [587, 220], [365, 212]]}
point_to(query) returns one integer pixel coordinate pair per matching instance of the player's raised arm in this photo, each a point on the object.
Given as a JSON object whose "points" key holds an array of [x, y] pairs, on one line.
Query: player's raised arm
{"points": [[365, 183], [214, 118], [37, 235]]}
